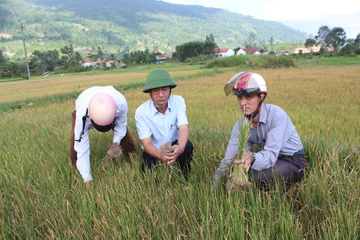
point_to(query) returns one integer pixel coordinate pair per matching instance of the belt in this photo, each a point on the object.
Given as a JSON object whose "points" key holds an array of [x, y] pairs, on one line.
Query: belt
{"points": [[300, 152]]}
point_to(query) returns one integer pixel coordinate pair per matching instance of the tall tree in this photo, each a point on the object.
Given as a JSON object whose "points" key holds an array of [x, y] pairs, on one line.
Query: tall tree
{"points": [[310, 42], [336, 38], [250, 42], [210, 44], [189, 49], [3, 60], [357, 39], [321, 36]]}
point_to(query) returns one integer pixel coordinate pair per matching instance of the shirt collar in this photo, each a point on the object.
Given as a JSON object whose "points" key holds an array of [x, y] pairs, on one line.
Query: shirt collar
{"points": [[263, 113], [153, 109]]}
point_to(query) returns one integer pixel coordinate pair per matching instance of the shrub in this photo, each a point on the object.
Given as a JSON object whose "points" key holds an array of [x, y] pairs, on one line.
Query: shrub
{"points": [[232, 61]]}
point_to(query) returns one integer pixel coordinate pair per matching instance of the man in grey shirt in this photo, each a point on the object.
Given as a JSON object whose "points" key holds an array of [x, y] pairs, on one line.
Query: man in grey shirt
{"points": [[281, 155]]}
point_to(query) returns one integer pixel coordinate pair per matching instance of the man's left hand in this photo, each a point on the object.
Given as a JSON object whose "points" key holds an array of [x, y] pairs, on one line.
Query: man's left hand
{"points": [[247, 161], [174, 155]]}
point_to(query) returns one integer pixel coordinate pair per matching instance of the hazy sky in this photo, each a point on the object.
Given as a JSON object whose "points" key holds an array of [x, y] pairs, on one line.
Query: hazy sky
{"points": [[307, 15]]}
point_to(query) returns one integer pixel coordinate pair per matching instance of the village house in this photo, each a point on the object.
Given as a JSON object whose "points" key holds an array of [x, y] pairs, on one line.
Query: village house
{"points": [[253, 51], [312, 49], [282, 52], [87, 62], [163, 57], [223, 52]]}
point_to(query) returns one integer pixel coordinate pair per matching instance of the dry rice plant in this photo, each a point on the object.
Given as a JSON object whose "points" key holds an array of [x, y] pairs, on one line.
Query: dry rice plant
{"points": [[239, 178]]}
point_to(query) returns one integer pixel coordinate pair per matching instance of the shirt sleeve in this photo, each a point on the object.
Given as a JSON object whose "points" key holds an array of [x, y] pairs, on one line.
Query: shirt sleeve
{"points": [[82, 149], [142, 127], [181, 113], [120, 123]]}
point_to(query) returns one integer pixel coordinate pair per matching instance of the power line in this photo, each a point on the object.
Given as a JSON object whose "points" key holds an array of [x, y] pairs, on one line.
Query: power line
{"points": [[23, 39]]}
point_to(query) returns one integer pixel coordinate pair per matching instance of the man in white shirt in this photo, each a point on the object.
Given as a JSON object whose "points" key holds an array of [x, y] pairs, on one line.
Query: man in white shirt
{"points": [[162, 120], [105, 109]]}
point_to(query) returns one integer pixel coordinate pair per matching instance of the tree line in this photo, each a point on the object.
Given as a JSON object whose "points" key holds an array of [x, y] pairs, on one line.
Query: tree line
{"points": [[335, 38], [69, 60]]}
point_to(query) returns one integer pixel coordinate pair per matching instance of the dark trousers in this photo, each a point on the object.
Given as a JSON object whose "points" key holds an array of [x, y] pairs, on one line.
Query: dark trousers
{"points": [[289, 169], [183, 160], [127, 143]]}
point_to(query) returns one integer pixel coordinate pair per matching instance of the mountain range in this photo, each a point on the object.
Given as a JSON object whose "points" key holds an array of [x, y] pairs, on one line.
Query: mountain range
{"points": [[120, 26]]}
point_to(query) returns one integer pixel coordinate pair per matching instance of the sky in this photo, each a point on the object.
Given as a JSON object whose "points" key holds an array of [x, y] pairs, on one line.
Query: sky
{"points": [[305, 15]]}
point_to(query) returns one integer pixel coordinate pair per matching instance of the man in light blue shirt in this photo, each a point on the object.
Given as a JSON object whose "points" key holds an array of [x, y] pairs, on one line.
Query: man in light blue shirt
{"points": [[162, 120], [281, 155]]}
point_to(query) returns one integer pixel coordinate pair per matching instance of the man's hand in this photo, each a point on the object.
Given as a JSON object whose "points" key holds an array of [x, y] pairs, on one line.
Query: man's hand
{"points": [[115, 151], [169, 153], [221, 171], [88, 185], [176, 152], [247, 161]]}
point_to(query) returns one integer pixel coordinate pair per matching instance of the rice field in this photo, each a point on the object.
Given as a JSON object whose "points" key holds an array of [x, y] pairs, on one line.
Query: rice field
{"points": [[43, 197]]}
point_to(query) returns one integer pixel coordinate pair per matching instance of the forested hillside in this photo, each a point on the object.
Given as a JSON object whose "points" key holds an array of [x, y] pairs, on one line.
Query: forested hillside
{"points": [[117, 26]]}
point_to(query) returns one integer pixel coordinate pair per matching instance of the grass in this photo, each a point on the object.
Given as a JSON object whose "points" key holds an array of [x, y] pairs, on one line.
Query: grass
{"points": [[44, 198]]}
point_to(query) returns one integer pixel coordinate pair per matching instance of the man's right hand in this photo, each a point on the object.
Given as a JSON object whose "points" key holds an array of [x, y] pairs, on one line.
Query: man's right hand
{"points": [[221, 171], [88, 185]]}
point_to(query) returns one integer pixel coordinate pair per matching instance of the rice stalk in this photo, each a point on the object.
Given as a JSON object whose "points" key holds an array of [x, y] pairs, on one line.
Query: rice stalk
{"points": [[238, 178]]}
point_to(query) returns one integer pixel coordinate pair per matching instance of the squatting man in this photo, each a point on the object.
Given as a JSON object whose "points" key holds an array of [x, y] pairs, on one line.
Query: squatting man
{"points": [[281, 155]]}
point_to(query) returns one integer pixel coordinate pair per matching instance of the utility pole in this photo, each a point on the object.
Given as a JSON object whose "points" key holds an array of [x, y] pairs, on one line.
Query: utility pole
{"points": [[23, 39]]}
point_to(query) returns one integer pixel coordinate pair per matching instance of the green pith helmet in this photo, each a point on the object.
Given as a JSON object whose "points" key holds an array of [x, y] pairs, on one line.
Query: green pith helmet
{"points": [[158, 78]]}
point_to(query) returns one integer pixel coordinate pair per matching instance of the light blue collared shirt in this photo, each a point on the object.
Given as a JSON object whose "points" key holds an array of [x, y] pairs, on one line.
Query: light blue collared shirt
{"points": [[275, 134], [162, 128]]}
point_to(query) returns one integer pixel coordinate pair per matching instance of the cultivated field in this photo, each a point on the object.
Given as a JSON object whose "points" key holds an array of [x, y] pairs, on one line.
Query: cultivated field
{"points": [[42, 197]]}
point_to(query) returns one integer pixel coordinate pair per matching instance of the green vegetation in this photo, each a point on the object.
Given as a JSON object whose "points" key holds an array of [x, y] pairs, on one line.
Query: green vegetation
{"points": [[119, 27], [266, 61], [43, 197]]}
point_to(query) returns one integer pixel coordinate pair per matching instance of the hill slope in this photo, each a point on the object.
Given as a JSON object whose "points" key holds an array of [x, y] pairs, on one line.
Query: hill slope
{"points": [[117, 26]]}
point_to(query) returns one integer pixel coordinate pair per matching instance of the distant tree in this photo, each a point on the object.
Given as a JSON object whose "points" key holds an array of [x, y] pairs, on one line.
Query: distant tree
{"points": [[310, 42], [271, 41], [210, 44], [236, 50], [189, 49], [357, 39], [336, 38], [250, 42], [3, 60], [14, 69], [139, 57], [321, 36], [71, 57], [262, 44], [68, 51], [352, 46], [100, 53], [44, 61]]}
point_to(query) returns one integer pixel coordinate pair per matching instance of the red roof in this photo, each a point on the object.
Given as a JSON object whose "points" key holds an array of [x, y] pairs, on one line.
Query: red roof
{"points": [[165, 55], [87, 60], [221, 50], [251, 50]]}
